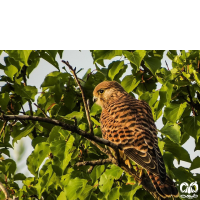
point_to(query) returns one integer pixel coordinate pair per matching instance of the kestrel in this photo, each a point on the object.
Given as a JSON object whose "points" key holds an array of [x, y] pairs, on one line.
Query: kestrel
{"points": [[129, 123]]}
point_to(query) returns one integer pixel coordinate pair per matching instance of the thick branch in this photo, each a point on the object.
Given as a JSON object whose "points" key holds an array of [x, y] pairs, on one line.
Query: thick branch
{"points": [[83, 96], [68, 127]]}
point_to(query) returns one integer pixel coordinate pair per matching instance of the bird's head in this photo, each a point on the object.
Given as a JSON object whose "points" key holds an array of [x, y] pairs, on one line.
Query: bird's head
{"points": [[106, 92]]}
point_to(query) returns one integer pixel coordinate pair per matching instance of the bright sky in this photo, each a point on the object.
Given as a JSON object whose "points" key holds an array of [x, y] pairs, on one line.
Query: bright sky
{"points": [[79, 60]]}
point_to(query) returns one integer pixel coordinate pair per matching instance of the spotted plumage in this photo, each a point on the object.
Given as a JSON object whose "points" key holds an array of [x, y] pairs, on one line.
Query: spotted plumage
{"points": [[129, 123]]}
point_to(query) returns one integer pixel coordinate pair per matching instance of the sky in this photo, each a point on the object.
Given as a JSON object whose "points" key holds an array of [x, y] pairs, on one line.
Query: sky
{"points": [[78, 59]]}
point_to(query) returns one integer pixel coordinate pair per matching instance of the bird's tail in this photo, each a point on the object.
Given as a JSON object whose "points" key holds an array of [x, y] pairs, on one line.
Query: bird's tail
{"points": [[166, 189]]}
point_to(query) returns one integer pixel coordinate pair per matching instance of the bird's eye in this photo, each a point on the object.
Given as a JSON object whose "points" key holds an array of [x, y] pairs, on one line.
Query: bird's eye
{"points": [[101, 91]]}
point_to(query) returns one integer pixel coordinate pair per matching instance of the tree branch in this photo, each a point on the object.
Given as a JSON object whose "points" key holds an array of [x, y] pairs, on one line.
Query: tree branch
{"points": [[41, 110], [94, 162], [68, 127], [25, 84], [4, 190], [83, 96]]}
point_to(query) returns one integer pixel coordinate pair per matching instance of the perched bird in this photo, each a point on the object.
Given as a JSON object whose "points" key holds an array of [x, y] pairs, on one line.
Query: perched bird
{"points": [[129, 123]]}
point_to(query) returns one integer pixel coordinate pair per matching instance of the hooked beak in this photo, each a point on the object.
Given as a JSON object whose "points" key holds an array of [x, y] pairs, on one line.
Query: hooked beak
{"points": [[95, 99]]}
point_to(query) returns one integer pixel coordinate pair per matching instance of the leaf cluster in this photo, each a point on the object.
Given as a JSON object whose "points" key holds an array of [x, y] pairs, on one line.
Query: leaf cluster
{"points": [[173, 94]]}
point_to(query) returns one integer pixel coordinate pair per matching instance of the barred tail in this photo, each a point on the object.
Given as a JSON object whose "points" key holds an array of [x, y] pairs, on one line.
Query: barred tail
{"points": [[166, 189]]}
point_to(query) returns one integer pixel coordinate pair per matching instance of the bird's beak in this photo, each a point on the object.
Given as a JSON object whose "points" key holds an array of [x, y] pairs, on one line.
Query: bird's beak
{"points": [[95, 99]]}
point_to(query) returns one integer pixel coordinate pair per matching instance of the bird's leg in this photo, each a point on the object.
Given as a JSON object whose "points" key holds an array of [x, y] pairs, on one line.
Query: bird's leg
{"points": [[127, 162], [141, 173]]}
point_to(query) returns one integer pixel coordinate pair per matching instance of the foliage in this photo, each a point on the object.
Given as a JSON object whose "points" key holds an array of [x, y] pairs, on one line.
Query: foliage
{"points": [[172, 94]]}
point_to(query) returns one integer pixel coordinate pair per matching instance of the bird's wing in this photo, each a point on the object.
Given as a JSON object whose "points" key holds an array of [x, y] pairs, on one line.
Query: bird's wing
{"points": [[129, 123]]}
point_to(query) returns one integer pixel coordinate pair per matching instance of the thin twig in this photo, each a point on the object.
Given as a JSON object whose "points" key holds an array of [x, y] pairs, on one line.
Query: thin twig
{"points": [[23, 111], [41, 110], [83, 96], [25, 84], [108, 153], [167, 65], [4, 190], [94, 162], [90, 169], [4, 125], [1, 111], [88, 105]]}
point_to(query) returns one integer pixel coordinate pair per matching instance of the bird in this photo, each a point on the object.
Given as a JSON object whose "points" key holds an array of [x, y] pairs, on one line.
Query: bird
{"points": [[128, 123]]}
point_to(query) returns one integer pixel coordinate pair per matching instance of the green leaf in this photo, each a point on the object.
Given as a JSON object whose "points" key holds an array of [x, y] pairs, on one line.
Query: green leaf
{"points": [[52, 53], [62, 150], [129, 83], [31, 91], [135, 57], [95, 121], [5, 151], [38, 140], [107, 178], [165, 94], [96, 172], [10, 167], [106, 183], [114, 194], [179, 152], [195, 163], [45, 181], [183, 175], [115, 67], [95, 110], [86, 194], [60, 52], [192, 126], [51, 79], [74, 188], [153, 64], [105, 54], [27, 92], [50, 59], [19, 65], [19, 176], [62, 196], [196, 77], [27, 130], [77, 115], [53, 135], [172, 131], [127, 191], [184, 138], [150, 97], [19, 55], [36, 158], [4, 99], [197, 147], [174, 111], [161, 145], [10, 71]]}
